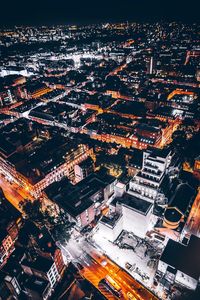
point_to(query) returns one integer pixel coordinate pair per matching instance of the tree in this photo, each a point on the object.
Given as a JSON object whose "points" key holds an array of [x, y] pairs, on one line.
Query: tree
{"points": [[62, 227], [32, 209], [179, 141], [58, 224], [61, 232]]}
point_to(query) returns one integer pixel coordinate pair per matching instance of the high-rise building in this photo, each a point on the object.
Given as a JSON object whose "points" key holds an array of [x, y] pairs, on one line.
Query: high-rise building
{"points": [[84, 169], [147, 182], [151, 65]]}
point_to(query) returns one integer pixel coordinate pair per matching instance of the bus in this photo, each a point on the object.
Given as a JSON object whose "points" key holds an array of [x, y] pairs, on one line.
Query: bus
{"points": [[112, 286], [110, 281]]}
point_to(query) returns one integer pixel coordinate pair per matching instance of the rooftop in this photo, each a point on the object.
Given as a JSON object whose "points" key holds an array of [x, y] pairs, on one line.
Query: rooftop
{"points": [[35, 283], [111, 220], [183, 258], [76, 199], [138, 205], [182, 197], [8, 213], [40, 263]]}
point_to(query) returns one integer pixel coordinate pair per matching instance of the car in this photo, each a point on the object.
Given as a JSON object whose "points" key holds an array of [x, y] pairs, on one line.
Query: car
{"points": [[103, 282], [104, 263], [130, 296], [80, 267], [155, 283], [128, 266]]}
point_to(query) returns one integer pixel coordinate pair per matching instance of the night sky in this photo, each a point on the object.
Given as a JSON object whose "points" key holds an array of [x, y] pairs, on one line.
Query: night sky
{"points": [[36, 12]]}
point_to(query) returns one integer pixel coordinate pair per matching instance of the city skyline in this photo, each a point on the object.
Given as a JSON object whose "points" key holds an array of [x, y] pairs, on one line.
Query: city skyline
{"points": [[99, 151], [82, 12]]}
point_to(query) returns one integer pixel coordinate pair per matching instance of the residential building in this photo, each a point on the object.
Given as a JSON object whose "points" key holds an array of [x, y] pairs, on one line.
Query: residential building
{"points": [[42, 267], [146, 183], [10, 222], [84, 169], [83, 201]]}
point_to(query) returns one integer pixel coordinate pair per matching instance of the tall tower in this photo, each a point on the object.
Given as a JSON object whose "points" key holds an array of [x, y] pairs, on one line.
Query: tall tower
{"points": [[151, 65]]}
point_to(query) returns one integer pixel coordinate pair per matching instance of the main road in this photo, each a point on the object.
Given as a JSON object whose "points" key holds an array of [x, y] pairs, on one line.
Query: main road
{"points": [[13, 192], [193, 224], [96, 266]]}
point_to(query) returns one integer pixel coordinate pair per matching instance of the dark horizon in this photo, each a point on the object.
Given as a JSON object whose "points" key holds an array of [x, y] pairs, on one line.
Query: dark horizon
{"points": [[61, 12]]}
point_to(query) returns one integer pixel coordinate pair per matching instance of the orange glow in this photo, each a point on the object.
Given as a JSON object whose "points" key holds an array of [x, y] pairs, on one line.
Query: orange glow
{"points": [[179, 92]]}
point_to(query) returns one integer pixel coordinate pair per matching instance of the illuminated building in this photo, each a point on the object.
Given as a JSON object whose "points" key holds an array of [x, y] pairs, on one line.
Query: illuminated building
{"points": [[140, 136], [33, 91], [198, 75], [35, 266], [9, 286], [83, 169], [45, 166], [187, 96], [83, 201], [197, 164], [45, 245], [13, 70], [110, 227], [18, 80], [53, 95], [42, 267], [40, 92], [79, 210], [151, 65], [10, 221], [166, 114], [148, 134], [147, 182], [135, 214], [6, 98]]}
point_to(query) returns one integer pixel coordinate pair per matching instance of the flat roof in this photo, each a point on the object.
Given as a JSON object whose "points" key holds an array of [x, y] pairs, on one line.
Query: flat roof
{"points": [[34, 283], [8, 213], [183, 258], [77, 198], [182, 197], [138, 205], [110, 221], [41, 263]]}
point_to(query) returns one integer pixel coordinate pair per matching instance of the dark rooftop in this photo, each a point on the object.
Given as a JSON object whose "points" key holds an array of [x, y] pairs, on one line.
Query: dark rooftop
{"points": [[183, 258], [87, 162], [8, 213], [40, 263], [134, 203], [182, 197], [110, 221], [163, 153], [35, 284], [76, 199]]}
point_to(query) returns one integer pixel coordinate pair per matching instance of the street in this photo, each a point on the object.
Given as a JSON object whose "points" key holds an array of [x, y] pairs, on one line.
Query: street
{"points": [[193, 223], [13, 192], [95, 267]]}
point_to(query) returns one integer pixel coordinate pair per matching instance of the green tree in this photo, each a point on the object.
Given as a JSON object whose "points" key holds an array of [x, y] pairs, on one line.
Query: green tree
{"points": [[32, 209], [58, 224]]}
